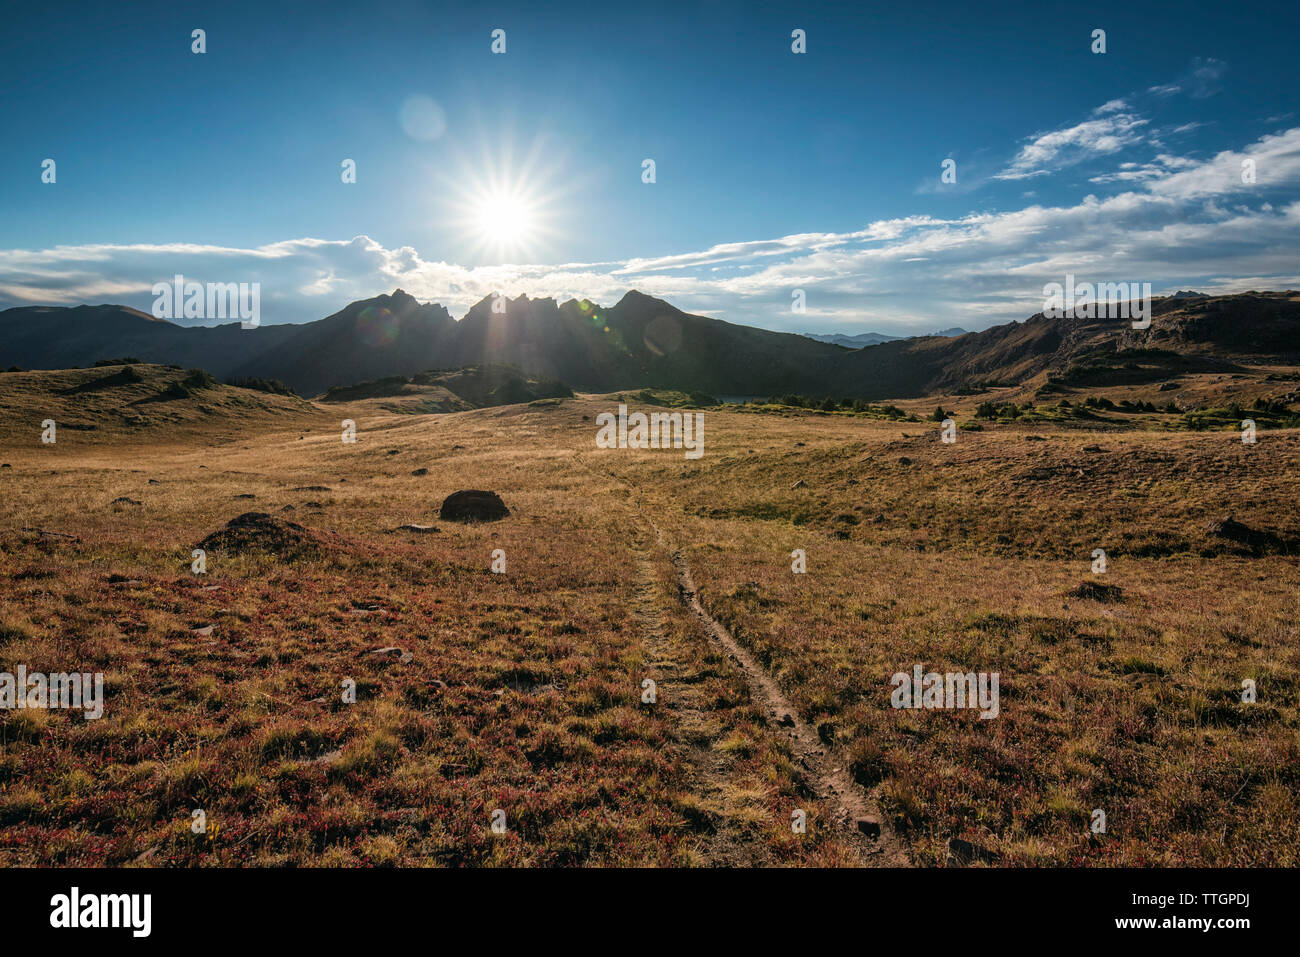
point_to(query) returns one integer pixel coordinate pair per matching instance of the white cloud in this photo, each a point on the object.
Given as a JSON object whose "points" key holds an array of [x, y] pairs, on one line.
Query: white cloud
{"points": [[1181, 222], [1108, 131]]}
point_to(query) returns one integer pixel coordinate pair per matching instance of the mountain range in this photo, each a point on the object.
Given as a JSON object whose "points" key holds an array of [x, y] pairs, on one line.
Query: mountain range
{"points": [[642, 341], [864, 339]]}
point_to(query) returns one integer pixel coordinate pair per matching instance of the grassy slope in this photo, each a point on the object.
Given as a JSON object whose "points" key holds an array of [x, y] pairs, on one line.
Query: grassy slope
{"points": [[542, 667], [960, 559]]}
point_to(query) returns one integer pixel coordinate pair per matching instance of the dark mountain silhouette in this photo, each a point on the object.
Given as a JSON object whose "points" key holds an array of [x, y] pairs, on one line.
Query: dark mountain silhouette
{"points": [[646, 342], [61, 337], [370, 339], [1185, 335]]}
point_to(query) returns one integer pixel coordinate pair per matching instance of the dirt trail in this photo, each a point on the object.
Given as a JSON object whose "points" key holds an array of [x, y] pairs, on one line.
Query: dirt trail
{"points": [[825, 771], [711, 774]]}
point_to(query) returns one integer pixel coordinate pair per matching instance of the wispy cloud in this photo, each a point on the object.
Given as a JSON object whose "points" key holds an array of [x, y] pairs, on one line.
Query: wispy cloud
{"points": [[1111, 128]]}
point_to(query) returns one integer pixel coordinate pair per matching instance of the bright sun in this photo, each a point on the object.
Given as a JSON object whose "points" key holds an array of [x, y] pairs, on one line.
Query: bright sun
{"points": [[503, 208], [505, 219]]}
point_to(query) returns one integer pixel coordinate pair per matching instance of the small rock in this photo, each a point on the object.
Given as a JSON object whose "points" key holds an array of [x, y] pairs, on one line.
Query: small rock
{"points": [[787, 721], [204, 632], [389, 654], [868, 826], [123, 500], [964, 852], [420, 472], [1096, 591], [420, 529]]}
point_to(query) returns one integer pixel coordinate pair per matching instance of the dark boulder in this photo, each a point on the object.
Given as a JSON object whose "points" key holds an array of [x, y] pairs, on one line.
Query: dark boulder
{"points": [[473, 505]]}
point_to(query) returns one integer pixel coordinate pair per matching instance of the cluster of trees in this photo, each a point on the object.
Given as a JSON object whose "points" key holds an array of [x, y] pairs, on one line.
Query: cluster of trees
{"points": [[1101, 402], [273, 386], [838, 405]]}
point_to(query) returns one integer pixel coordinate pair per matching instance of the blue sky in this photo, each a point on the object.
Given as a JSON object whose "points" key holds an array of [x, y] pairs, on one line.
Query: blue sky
{"points": [[775, 171]]}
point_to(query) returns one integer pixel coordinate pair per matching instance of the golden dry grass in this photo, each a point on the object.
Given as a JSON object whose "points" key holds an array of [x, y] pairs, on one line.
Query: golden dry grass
{"points": [[523, 692]]}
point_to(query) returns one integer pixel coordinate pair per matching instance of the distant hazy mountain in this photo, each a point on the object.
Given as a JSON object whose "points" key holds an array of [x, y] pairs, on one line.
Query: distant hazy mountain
{"points": [[645, 342], [852, 342], [870, 338]]}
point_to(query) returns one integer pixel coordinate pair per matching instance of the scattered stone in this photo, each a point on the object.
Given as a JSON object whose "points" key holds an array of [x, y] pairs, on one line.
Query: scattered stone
{"points": [[146, 856], [388, 654], [419, 529], [47, 534], [123, 500], [394, 451], [314, 488], [1096, 591], [1035, 438], [246, 495], [1093, 448], [868, 826], [964, 852], [904, 460], [154, 482], [420, 472], [6, 466], [204, 632], [1234, 531], [288, 508], [473, 505]]}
